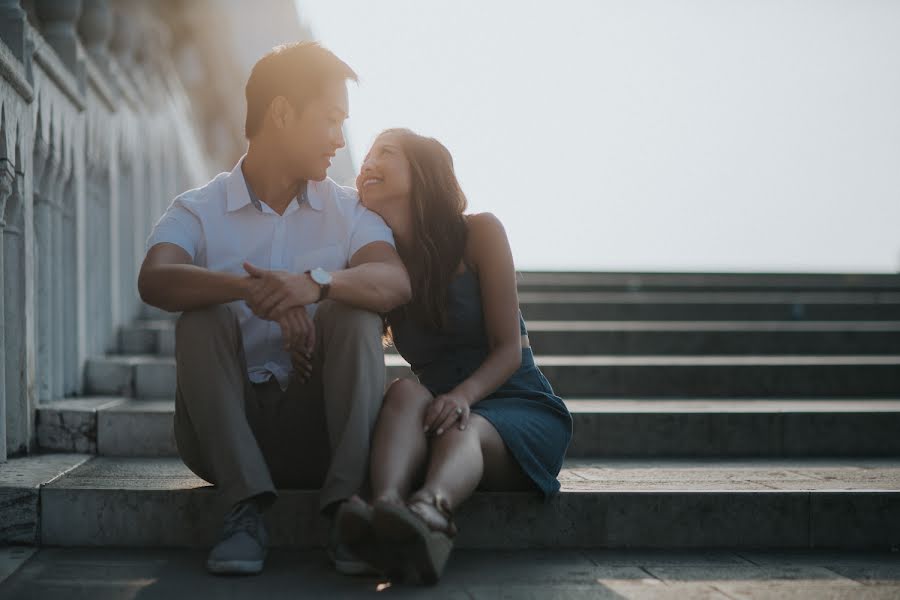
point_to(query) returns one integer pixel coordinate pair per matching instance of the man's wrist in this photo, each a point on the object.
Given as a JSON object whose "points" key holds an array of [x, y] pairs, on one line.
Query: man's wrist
{"points": [[243, 285]]}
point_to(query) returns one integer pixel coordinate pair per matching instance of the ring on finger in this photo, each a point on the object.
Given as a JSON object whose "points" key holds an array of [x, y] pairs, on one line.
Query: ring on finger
{"points": [[459, 411]]}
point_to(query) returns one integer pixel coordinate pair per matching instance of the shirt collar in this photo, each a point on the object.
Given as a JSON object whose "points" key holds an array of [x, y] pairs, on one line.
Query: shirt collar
{"points": [[238, 193]]}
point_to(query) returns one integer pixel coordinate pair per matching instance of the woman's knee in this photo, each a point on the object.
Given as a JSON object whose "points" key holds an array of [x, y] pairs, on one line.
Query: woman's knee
{"points": [[406, 396]]}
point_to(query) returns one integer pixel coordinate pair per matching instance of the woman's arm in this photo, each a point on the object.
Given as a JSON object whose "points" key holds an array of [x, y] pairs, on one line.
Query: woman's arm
{"points": [[488, 248]]}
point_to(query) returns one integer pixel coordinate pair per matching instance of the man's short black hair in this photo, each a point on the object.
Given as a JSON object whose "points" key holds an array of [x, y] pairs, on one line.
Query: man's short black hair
{"points": [[296, 71]]}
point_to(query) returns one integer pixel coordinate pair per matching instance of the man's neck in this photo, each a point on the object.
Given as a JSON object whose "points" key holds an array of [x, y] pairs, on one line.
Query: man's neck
{"points": [[268, 181]]}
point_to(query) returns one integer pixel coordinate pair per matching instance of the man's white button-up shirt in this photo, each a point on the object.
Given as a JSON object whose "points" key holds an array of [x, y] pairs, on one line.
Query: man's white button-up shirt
{"points": [[220, 227]]}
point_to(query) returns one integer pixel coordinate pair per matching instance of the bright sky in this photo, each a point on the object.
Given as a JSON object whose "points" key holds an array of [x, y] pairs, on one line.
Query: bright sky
{"points": [[647, 134]]}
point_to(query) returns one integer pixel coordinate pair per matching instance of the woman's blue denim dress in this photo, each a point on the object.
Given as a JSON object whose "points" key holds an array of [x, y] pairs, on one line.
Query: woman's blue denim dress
{"points": [[534, 423]]}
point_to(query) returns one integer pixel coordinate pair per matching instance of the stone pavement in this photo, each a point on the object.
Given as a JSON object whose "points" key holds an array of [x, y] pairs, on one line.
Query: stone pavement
{"points": [[140, 574]]}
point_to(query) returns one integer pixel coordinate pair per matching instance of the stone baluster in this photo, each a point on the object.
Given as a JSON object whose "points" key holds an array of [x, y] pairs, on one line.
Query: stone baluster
{"points": [[7, 181], [18, 412], [58, 290], [13, 21], [58, 26], [95, 27], [70, 283], [126, 249], [44, 173], [125, 36]]}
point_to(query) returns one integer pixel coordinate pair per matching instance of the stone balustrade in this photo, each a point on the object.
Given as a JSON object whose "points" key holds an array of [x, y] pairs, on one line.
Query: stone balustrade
{"points": [[96, 138]]}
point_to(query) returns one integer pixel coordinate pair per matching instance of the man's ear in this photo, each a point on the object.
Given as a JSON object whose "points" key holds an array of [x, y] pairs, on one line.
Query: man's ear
{"points": [[279, 110]]}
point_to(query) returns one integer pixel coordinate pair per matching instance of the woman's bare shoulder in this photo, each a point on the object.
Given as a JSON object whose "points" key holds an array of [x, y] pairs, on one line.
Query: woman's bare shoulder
{"points": [[486, 232]]}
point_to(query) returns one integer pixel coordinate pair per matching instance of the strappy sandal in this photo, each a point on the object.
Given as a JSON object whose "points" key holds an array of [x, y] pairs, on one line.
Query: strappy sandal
{"points": [[355, 531], [419, 548]]}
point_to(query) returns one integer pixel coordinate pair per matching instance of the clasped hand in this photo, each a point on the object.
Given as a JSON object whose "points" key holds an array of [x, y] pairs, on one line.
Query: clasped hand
{"points": [[282, 297], [444, 411]]}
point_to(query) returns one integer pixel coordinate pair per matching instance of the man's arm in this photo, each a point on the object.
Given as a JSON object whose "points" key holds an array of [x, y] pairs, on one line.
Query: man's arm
{"points": [[376, 280], [169, 281]]}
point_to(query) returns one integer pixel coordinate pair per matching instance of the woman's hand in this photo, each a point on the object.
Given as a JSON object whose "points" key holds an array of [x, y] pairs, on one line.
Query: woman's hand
{"points": [[445, 410]]}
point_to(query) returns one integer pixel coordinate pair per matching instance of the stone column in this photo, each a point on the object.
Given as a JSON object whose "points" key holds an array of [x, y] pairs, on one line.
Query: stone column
{"points": [[126, 249], [70, 284], [59, 290], [7, 179], [14, 317], [44, 172]]}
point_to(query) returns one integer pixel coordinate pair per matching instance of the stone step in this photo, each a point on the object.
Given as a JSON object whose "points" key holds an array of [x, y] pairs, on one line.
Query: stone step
{"points": [[852, 305], [602, 427], [148, 337], [604, 376], [709, 306], [714, 337], [584, 280], [643, 337], [604, 503]]}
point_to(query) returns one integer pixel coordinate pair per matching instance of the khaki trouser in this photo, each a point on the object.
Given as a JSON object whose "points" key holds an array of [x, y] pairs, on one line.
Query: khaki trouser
{"points": [[248, 438]]}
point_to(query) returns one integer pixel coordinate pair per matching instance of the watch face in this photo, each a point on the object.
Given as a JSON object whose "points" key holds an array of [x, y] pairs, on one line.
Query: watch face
{"points": [[320, 276]]}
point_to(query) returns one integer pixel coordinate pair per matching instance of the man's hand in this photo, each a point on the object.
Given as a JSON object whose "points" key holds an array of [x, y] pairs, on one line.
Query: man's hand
{"points": [[274, 292]]}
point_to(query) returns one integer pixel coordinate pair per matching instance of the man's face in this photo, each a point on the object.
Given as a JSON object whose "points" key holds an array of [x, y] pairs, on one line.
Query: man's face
{"points": [[311, 136]]}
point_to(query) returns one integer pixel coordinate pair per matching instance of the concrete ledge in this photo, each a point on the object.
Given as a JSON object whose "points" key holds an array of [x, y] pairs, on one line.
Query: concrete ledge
{"points": [[642, 337], [70, 425], [713, 376], [606, 376], [706, 281], [709, 306], [137, 428], [128, 375], [20, 483], [602, 428], [604, 504]]}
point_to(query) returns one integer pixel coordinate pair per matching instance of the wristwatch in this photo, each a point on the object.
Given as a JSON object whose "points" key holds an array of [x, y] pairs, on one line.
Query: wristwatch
{"points": [[323, 278]]}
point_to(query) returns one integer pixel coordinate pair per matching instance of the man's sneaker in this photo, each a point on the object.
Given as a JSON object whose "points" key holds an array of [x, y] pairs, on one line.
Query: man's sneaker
{"points": [[242, 547]]}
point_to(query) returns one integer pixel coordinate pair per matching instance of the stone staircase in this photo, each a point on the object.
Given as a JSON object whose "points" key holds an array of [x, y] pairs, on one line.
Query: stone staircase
{"points": [[733, 411]]}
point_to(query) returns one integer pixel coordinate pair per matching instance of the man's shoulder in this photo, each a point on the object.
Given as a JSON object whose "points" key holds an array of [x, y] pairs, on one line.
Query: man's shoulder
{"points": [[333, 196], [209, 195]]}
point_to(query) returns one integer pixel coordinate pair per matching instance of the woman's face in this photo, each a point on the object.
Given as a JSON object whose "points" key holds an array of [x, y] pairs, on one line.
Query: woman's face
{"points": [[384, 181]]}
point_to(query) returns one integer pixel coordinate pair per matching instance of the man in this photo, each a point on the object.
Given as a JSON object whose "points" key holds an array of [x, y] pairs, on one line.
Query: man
{"points": [[280, 275]]}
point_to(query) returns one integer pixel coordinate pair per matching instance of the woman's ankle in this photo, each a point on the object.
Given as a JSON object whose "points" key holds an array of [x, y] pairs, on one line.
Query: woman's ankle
{"points": [[391, 497], [434, 509]]}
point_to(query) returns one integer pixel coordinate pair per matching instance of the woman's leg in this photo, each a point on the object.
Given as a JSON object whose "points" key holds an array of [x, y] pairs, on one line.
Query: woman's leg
{"points": [[399, 447], [461, 460]]}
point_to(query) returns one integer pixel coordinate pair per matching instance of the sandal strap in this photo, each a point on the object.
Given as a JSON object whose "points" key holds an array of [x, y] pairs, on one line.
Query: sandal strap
{"points": [[440, 504]]}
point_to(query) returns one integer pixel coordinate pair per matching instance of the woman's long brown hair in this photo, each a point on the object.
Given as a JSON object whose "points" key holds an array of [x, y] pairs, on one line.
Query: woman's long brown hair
{"points": [[439, 228]]}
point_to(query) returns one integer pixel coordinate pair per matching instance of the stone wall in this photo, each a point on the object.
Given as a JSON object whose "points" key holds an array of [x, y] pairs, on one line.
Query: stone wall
{"points": [[96, 138]]}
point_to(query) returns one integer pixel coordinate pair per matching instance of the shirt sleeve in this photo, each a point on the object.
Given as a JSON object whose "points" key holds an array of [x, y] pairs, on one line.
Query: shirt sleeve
{"points": [[369, 228], [178, 226]]}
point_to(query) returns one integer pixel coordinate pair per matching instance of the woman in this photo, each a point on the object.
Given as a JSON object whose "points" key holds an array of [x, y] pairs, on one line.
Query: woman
{"points": [[481, 415]]}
